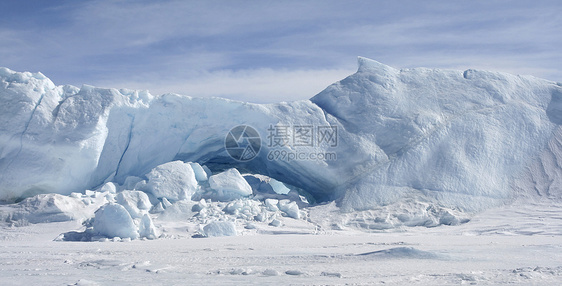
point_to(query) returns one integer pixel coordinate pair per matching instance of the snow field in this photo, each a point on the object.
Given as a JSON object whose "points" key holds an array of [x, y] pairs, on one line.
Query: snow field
{"points": [[515, 245], [442, 177]]}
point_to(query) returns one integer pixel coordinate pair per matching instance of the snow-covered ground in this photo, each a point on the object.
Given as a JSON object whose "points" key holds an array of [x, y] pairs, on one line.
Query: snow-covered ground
{"points": [[387, 176], [519, 244]]}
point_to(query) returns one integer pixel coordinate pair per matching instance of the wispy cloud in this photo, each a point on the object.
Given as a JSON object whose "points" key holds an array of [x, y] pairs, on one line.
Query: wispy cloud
{"points": [[239, 49], [258, 86]]}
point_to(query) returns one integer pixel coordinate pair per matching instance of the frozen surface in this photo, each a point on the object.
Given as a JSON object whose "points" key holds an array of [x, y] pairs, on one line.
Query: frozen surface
{"points": [[441, 177], [515, 245]]}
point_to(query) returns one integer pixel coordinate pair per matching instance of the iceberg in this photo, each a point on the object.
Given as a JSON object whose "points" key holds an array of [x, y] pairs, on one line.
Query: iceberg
{"points": [[460, 138], [465, 140]]}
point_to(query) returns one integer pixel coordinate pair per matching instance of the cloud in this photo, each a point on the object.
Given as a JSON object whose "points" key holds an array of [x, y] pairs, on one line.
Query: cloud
{"points": [[166, 46], [258, 86]]}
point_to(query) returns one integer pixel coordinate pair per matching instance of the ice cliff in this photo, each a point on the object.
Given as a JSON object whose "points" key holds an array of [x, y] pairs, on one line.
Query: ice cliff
{"points": [[466, 140]]}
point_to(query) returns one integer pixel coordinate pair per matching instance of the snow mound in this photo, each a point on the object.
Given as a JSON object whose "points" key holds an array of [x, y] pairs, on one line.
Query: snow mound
{"points": [[400, 253], [220, 228], [113, 220], [52, 208], [46, 208], [410, 212], [85, 282]]}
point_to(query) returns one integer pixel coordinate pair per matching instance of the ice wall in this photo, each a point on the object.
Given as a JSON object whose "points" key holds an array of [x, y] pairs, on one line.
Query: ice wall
{"points": [[461, 139]]}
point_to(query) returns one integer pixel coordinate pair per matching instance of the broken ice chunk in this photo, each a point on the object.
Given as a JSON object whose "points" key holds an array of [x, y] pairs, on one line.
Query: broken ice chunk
{"points": [[113, 220], [229, 185], [220, 228]]}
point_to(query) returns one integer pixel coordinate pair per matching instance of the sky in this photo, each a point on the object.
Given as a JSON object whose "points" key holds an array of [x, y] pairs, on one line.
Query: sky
{"points": [[271, 51]]}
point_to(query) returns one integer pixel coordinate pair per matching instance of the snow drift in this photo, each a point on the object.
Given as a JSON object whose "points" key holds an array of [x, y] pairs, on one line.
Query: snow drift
{"points": [[467, 140]]}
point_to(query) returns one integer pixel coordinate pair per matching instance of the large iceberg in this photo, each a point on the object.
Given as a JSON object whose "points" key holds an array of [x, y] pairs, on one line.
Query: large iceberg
{"points": [[467, 140], [461, 138]]}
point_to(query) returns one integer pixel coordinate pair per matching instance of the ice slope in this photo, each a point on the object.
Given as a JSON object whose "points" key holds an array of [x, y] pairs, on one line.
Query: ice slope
{"points": [[459, 139], [462, 138]]}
